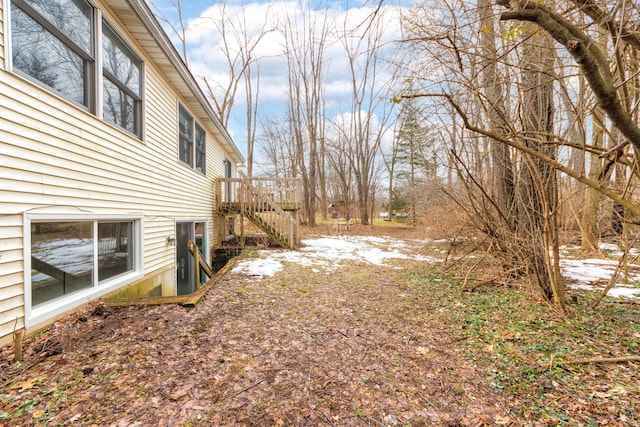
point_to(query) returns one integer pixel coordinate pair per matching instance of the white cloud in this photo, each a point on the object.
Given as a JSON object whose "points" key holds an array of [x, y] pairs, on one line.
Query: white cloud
{"points": [[205, 42]]}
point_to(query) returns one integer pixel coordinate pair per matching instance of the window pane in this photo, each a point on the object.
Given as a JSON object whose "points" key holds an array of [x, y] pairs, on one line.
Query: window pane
{"points": [[120, 61], [71, 17], [118, 107], [186, 137], [201, 139], [115, 249], [42, 56], [61, 259]]}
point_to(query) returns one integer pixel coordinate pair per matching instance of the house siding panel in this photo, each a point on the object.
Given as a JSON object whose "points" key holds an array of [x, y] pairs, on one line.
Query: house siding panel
{"points": [[56, 157], [2, 47], [11, 273], [11, 319]]}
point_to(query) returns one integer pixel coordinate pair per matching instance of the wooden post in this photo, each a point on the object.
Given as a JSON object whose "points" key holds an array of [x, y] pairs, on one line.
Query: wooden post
{"points": [[196, 266], [18, 340]]}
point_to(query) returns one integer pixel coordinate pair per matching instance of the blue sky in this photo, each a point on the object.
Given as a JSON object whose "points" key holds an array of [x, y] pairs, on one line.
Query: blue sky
{"points": [[206, 59]]}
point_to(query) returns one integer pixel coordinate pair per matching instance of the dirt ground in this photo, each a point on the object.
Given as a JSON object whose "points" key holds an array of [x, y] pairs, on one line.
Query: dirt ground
{"points": [[358, 346]]}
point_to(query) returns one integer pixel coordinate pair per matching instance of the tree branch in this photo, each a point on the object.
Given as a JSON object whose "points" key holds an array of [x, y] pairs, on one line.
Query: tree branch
{"points": [[589, 57], [605, 19], [596, 185]]}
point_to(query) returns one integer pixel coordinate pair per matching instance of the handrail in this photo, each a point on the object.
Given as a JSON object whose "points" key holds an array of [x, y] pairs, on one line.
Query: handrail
{"points": [[265, 202]]}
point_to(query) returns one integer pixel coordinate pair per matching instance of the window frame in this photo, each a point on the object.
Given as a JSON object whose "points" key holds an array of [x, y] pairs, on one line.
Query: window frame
{"points": [[46, 310], [89, 59], [94, 72], [108, 76], [195, 152]]}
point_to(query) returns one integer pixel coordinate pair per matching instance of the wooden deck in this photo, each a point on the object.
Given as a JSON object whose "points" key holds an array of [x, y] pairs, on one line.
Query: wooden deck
{"points": [[272, 204]]}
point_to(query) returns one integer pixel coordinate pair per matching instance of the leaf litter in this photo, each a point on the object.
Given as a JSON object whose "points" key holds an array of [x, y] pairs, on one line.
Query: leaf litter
{"points": [[349, 331]]}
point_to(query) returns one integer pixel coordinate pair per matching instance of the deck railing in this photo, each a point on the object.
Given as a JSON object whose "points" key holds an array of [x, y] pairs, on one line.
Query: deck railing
{"points": [[270, 203]]}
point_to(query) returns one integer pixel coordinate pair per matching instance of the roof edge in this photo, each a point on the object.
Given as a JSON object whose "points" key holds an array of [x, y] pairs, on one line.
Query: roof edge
{"points": [[149, 19]]}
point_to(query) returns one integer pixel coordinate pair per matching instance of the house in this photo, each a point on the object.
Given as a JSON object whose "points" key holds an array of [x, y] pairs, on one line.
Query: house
{"points": [[110, 158]]}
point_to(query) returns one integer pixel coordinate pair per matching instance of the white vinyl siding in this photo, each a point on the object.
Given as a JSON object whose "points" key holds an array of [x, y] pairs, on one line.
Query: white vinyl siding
{"points": [[11, 274], [2, 50], [57, 158]]}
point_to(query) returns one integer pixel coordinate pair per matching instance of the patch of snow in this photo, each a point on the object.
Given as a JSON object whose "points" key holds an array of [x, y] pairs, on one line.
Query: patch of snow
{"points": [[329, 252], [583, 274], [258, 268]]}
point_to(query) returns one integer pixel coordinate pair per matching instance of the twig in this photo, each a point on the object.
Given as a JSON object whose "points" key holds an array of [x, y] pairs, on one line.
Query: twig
{"points": [[342, 333], [326, 418], [492, 279], [621, 359], [614, 277], [375, 421], [466, 277], [245, 389]]}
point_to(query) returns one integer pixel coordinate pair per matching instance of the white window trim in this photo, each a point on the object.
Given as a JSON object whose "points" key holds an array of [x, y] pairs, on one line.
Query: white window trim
{"points": [[96, 110], [46, 311]]}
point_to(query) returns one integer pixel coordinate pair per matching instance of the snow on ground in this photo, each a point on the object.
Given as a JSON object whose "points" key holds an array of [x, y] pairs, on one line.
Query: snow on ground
{"points": [[330, 252], [327, 253], [594, 274]]}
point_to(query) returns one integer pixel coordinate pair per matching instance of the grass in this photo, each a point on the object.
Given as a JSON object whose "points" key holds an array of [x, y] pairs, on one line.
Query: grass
{"points": [[521, 344], [377, 222]]}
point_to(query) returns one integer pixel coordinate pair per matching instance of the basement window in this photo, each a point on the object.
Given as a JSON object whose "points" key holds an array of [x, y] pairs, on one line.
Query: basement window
{"points": [[73, 261]]}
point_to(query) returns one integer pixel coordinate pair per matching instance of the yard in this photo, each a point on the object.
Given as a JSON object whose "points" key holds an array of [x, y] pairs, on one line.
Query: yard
{"points": [[349, 331]]}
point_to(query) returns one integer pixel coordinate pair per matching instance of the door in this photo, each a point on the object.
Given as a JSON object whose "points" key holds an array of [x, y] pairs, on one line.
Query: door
{"points": [[184, 260], [197, 232]]}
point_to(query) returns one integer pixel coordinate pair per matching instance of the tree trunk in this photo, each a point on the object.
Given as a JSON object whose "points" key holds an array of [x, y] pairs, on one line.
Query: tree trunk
{"points": [[538, 191], [589, 229], [492, 87]]}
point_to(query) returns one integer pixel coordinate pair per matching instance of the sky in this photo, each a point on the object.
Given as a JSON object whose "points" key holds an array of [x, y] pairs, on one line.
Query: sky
{"points": [[203, 17], [328, 253]]}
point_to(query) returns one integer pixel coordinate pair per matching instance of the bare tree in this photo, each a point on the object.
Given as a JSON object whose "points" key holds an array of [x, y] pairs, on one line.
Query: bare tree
{"points": [[369, 111], [305, 42], [179, 28]]}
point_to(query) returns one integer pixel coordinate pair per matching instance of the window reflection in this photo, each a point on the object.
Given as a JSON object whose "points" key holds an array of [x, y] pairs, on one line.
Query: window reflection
{"points": [[121, 82], [115, 249], [41, 55], [186, 137], [118, 108], [61, 259], [120, 62], [200, 149], [71, 17], [62, 256]]}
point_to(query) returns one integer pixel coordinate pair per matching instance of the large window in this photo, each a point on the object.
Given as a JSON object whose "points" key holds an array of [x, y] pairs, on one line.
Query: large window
{"points": [[68, 257], [53, 41], [192, 141]]}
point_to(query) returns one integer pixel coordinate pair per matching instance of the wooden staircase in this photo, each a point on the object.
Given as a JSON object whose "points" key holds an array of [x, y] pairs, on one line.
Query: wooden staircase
{"points": [[272, 204]]}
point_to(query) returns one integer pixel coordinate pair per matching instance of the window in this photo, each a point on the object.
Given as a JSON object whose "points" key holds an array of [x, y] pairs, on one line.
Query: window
{"points": [[61, 259], [192, 141], [53, 42], [69, 257], [121, 83], [201, 144]]}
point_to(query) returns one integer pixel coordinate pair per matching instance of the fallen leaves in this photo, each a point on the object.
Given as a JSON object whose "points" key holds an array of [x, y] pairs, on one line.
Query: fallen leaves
{"points": [[365, 345]]}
